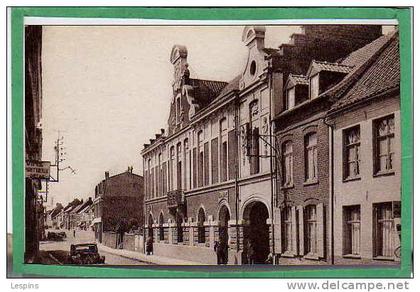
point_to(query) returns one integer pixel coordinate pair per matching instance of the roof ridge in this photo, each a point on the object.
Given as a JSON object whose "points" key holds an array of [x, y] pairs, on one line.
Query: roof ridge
{"points": [[338, 91]]}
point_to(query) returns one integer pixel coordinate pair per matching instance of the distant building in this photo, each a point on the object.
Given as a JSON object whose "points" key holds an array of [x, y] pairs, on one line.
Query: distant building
{"points": [[367, 158], [118, 200], [76, 215]]}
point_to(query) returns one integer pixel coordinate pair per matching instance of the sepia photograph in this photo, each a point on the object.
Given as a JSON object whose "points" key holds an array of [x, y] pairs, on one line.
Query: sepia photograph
{"points": [[215, 144]]}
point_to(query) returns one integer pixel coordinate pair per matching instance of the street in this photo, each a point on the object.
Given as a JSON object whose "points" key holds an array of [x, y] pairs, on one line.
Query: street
{"points": [[56, 252]]}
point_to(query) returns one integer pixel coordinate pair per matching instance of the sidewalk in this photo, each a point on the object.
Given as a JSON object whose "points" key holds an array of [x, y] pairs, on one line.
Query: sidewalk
{"points": [[151, 259]]}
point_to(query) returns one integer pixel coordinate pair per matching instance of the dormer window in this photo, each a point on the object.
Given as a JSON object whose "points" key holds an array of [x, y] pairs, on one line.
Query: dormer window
{"points": [[314, 86], [296, 91], [290, 100]]}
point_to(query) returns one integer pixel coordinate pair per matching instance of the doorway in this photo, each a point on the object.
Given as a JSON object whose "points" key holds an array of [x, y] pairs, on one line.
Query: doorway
{"points": [[256, 233]]}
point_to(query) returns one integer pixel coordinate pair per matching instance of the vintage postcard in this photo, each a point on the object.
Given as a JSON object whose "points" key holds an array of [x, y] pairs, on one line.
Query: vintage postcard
{"points": [[246, 144]]}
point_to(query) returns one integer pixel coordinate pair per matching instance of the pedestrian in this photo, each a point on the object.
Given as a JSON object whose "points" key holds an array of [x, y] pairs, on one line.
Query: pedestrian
{"points": [[149, 245], [74, 232], [218, 253], [250, 252]]}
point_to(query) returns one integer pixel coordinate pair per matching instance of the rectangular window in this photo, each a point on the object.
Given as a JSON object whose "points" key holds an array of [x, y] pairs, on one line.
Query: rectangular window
{"points": [[287, 156], [287, 230], [314, 86], [310, 230], [351, 234], [215, 160], [290, 100], [351, 152], [206, 164], [255, 152], [384, 130], [232, 154], [200, 159], [384, 230], [223, 161], [311, 158]]}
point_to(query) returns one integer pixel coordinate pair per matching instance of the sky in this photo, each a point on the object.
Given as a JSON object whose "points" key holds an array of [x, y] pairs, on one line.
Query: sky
{"points": [[107, 91]]}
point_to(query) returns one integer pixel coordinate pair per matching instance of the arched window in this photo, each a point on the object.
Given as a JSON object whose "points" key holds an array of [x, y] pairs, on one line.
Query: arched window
{"points": [[255, 134], [187, 166], [178, 167], [287, 163], [161, 230], [200, 225]]}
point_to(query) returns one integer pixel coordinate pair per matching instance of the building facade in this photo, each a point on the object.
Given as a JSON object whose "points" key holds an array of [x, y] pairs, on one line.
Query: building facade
{"points": [[118, 199], [304, 152], [34, 210], [211, 176], [367, 161]]}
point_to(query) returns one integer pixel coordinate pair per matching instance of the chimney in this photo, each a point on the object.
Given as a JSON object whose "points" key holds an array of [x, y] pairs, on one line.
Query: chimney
{"points": [[106, 174]]}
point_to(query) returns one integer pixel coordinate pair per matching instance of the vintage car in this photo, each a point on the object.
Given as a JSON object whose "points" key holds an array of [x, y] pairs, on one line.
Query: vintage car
{"points": [[56, 236], [85, 254]]}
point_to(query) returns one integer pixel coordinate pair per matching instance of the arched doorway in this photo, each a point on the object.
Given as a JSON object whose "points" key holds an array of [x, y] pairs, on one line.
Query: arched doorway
{"points": [[224, 217], [256, 233], [150, 226], [200, 226]]}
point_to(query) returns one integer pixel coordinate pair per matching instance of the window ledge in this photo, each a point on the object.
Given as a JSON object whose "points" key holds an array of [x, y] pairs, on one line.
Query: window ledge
{"points": [[311, 256], [288, 254], [285, 187], [348, 179], [384, 173], [310, 182], [383, 258], [352, 256]]}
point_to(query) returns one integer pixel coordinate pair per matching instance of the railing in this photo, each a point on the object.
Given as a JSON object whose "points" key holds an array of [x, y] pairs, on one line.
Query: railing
{"points": [[175, 198]]}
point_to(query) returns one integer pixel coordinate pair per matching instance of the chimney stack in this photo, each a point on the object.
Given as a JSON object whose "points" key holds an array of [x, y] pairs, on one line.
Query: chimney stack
{"points": [[106, 174]]}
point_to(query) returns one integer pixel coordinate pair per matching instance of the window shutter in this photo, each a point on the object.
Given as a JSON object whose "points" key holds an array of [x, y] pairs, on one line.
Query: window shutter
{"points": [[214, 160], [277, 231], [195, 167], [295, 239], [206, 164], [232, 154], [301, 228], [320, 229]]}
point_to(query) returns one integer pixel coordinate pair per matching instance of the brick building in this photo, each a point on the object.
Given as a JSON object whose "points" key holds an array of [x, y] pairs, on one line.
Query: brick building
{"points": [[209, 177], [118, 199], [367, 158], [304, 147]]}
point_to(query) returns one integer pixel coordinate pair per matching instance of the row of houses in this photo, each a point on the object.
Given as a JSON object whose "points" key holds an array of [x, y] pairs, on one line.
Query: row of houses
{"points": [[296, 159], [76, 215]]}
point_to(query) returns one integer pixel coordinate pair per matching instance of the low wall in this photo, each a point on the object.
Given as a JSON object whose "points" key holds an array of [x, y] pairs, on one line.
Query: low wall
{"points": [[129, 241], [199, 254], [109, 239]]}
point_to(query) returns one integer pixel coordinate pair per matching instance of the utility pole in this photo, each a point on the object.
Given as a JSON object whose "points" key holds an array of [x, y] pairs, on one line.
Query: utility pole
{"points": [[60, 153]]}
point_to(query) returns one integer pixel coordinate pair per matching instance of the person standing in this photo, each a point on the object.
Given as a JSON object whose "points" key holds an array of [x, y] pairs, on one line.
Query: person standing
{"points": [[149, 245]]}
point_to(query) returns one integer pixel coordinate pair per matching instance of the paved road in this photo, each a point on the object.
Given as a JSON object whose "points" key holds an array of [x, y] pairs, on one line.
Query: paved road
{"points": [[57, 251]]}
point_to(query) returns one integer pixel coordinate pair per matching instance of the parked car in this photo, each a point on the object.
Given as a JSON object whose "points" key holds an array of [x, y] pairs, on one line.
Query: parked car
{"points": [[56, 236], [85, 254]]}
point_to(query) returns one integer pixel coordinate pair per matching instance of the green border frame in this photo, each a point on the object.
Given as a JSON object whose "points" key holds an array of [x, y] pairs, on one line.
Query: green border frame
{"points": [[404, 17]]}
